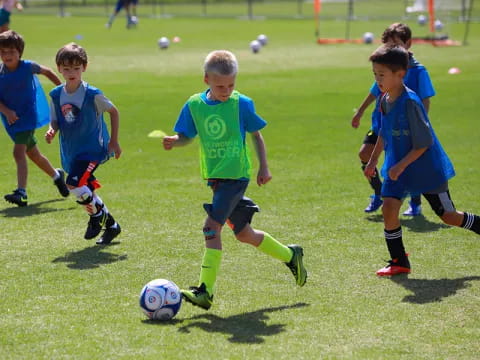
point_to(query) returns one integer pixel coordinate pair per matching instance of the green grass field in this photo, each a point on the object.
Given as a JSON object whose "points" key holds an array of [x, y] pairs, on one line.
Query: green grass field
{"points": [[65, 298]]}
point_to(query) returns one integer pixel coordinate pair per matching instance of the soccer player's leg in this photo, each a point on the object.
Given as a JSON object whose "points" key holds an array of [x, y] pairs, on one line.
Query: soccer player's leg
{"points": [[375, 182], [442, 204], [393, 195], [292, 255]]}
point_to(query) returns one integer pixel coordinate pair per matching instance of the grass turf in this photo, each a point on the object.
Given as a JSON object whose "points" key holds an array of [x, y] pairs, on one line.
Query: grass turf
{"points": [[63, 297]]}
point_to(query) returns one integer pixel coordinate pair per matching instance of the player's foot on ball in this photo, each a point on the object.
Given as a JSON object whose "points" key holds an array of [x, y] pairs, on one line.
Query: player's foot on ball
{"points": [[296, 265], [60, 184], [198, 296], [17, 197], [95, 225], [395, 267], [375, 203], [109, 234]]}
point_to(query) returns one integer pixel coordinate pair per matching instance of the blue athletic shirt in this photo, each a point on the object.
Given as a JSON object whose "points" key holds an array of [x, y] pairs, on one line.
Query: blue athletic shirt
{"points": [[250, 121], [416, 79]]}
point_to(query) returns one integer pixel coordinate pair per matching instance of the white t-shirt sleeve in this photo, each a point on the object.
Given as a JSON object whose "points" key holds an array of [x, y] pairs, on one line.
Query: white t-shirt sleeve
{"points": [[102, 103]]}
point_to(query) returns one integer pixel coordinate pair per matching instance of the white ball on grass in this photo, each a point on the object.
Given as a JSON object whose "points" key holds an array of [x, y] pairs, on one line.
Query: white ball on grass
{"points": [[255, 46], [163, 42]]}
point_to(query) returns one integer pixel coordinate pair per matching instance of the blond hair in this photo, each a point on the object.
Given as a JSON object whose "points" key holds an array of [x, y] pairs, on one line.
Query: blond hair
{"points": [[221, 62]]}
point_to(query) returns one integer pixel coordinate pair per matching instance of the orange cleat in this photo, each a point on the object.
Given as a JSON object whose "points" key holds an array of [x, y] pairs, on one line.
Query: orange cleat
{"points": [[395, 267]]}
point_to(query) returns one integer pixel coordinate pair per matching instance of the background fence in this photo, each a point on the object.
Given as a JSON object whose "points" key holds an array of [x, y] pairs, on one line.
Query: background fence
{"points": [[448, 10]]}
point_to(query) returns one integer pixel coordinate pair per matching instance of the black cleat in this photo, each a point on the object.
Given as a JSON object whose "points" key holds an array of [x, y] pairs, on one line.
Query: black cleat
{"points": [[109, 234], [17, 197], [95, 225]]}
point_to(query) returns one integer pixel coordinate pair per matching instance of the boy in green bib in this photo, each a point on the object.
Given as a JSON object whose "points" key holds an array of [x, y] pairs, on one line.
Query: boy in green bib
{"points": [[221, 117]]}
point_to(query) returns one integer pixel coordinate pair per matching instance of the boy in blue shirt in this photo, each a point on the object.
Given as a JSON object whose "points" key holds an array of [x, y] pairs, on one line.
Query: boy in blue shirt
{"points": [[415, 162], [416, 79], [24, 108], [77, 112], [221, 117]]}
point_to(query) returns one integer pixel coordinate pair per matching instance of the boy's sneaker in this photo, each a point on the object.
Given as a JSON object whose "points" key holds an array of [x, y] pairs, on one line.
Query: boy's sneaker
{"points": [[198, 296], [395, 267], [60, 184], [95, 225], [375, 203], [296, 265], [109, 234], [17, 197], [413, 210]]}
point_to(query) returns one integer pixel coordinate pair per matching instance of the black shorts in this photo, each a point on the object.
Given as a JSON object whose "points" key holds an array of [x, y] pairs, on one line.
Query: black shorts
{"points": [[81, 174], [440, 200], [229, 204], [370, 138]]}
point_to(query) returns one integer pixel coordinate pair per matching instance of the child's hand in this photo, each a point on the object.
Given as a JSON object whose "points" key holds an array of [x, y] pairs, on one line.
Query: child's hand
{"points": [[369, 171], [114, 147], [356, 120], [395, 171], [263, 176], [11, 117], [49, 135], [169, 141]]}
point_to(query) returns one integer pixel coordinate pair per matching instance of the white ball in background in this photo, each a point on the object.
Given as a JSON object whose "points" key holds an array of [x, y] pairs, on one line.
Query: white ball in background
{"points": [[368, 38], [262, 39], [438, 25], [255, 46], [163, 42], [421, 20]]}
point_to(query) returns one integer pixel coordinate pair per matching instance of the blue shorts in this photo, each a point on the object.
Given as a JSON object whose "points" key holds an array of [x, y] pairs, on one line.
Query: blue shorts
{"points": [[229, 204], [4, 17], [121, 3], [81, 174]]}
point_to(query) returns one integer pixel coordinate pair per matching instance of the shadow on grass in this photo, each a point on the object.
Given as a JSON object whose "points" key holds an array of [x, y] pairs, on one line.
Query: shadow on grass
{"points": [[415, 223], [427, 291], [246, 328], [31, 209], [89, 258]]}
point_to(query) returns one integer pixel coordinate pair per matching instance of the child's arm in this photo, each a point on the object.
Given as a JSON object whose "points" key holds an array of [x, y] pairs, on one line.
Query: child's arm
{"points": [[426, 104], [264, 175], [175, 140], [359, 113], [113, 145], [9, 114], [50, 74], [53, 126], [372, 163]]}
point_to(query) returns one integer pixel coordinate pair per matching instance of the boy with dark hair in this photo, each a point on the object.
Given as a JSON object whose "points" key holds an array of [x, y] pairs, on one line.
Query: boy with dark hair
{"points": [[415, 162], [77, 112], [221, 117], [416, 79], [24, 108]]}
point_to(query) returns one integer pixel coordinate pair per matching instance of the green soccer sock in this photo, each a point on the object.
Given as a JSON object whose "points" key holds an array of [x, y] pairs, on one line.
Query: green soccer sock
{"points": [[210, 266], [272, 247]]}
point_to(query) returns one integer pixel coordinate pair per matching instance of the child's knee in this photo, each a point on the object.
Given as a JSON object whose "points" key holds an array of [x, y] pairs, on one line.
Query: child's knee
{"points": [[211, 229]]}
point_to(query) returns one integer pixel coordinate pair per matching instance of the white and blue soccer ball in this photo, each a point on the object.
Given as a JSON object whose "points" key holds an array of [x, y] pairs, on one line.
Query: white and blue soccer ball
{"points": [[160, 299], [421, 20], [368, 38], [438, 25], [262, 39], [163, 43], [255, 46]]}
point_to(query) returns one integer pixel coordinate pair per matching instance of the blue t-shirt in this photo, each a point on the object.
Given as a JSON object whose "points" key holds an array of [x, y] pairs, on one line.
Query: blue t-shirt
{"points": [[250, 121]]}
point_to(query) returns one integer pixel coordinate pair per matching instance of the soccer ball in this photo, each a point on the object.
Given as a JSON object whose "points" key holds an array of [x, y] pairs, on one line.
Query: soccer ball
{"points": [[160, 299], [421, 20], [163, 42], [255, 46], [368, 38], [262, 39], [438, 25]]}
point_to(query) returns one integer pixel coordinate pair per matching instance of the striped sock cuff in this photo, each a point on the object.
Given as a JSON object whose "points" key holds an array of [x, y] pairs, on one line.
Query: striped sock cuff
{"points": [[393, 234], [468, 220]]}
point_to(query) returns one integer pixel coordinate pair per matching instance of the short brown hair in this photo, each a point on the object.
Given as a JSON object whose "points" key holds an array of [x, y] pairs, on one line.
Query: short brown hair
{"points": [[394, 57], [402, 31], [71, 54], [11, 39]]}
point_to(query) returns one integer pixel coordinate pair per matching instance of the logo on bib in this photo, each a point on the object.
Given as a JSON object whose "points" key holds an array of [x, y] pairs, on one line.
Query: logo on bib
{"points": [[215, 127]]}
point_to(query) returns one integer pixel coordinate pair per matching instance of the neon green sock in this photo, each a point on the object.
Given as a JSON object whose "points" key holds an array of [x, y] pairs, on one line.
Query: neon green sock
{"points": [[210, 266], [272, 247]]}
